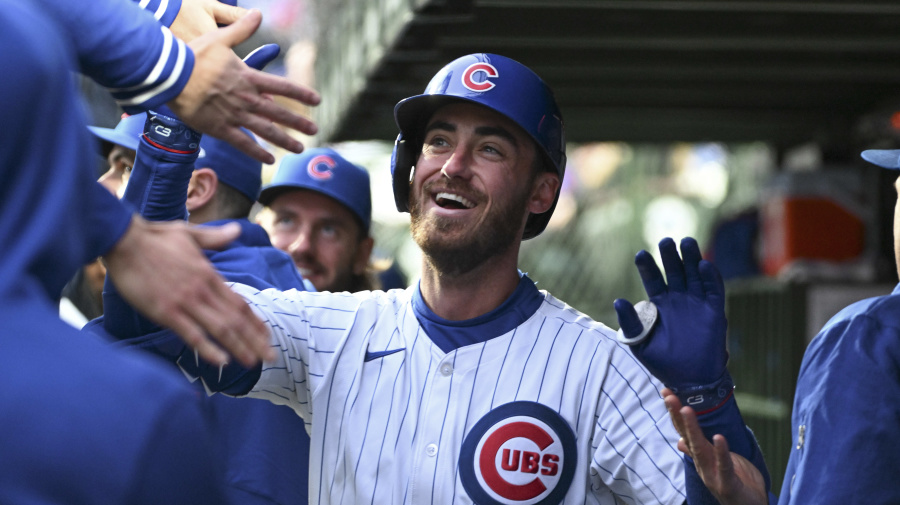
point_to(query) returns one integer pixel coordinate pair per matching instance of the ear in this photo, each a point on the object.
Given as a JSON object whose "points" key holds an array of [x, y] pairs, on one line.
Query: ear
{"points": [[543, 192], [201, 188], [363, 252]]}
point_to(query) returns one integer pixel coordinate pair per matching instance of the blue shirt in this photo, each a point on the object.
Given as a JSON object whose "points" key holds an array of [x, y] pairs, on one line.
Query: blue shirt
{"points": [[846, 448], [82, 422], [265, 446]]}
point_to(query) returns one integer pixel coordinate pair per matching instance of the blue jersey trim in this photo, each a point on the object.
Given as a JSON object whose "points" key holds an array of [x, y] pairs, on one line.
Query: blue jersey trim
{"points": [[451, 335]]}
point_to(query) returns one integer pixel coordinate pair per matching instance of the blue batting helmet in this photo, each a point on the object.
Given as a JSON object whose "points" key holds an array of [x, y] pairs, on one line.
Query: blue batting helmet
{"points": [[500, 84]]}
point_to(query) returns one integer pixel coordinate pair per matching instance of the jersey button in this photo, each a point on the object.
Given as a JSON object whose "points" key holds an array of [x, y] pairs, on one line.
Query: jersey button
{"points": [[431, 450], [446, 369]]}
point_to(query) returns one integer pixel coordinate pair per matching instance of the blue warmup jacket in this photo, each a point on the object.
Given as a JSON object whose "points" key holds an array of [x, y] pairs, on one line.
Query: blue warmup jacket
{"points": [[81, 422], [845, 447], [124, 48], [266, 446]]}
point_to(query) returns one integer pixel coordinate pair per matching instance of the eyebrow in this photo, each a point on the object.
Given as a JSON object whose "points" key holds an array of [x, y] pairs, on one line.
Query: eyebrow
{"points": [[440, 125], [484, 131]]}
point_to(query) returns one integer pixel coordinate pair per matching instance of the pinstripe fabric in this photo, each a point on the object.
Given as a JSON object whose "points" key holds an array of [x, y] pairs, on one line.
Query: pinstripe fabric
{"points": [[390, 430]]}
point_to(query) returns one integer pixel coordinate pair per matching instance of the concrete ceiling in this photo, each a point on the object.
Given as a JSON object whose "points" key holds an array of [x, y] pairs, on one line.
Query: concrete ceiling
{"points": [[784, 72]]}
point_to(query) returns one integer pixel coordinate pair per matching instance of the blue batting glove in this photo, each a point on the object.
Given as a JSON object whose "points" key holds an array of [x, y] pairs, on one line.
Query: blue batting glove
{"points": [[170, 134], [685, 348], [262, 56]]}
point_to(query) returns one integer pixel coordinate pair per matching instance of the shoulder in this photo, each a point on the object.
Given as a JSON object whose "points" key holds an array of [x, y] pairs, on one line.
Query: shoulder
{"points": [[305, 301], [863, 336], [555, 308]]}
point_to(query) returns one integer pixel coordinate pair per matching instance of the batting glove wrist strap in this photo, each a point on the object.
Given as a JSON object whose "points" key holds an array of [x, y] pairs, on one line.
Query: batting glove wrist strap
{"points": [[706, 398], [170, 134]]}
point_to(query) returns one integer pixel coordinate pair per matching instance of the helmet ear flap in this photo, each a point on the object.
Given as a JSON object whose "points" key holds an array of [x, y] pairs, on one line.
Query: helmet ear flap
{"points": [[403, 158]]}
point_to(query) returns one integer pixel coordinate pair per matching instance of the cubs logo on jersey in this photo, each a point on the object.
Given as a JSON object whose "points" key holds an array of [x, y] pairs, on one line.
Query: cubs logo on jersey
{"points": [[320, 167], [475, 82], [520, 453]]}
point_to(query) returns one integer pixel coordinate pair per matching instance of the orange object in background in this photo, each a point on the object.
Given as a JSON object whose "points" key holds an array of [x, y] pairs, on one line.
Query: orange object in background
{"points": [[808, 227]]}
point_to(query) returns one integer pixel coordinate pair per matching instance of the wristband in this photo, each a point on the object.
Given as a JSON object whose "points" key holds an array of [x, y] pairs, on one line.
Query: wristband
{"points": [[706, 398], [170, 134]]}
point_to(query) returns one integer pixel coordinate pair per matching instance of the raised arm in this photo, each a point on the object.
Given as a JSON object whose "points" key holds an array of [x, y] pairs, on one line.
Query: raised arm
{"points": [[680, 338], [125, 49]]}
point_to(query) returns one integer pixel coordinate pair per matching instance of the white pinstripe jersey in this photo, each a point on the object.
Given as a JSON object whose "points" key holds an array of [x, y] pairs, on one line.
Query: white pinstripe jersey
{"points": [[554, 411]]}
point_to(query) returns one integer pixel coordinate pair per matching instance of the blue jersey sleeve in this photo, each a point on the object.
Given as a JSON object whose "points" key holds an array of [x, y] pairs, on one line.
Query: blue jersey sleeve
{"points": [[845, 447], [164, 11], [109, 220], [126, 49], [157, 190]]}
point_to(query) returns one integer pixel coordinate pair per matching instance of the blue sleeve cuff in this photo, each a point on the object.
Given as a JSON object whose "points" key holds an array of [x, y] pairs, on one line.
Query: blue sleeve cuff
{"points": [[165, 11], [178, 66]]}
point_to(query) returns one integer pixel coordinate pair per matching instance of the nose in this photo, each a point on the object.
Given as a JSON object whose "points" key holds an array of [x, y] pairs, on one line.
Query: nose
{"points": [[458, 164], [302, 244]]}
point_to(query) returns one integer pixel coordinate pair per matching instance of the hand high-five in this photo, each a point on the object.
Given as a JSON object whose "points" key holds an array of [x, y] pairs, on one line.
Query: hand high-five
{"points": [[686, 347], [224, 94]]}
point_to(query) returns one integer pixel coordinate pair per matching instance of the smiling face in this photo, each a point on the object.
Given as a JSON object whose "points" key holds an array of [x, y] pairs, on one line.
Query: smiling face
{"points": [[323, 238], [474, 185]]}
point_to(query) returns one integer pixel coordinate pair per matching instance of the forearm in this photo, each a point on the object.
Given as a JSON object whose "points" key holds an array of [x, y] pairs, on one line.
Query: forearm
{"points": [[125, 49], [157, 188], [233, 380]]}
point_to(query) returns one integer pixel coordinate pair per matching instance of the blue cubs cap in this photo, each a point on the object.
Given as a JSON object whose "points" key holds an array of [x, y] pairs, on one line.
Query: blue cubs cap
{"points": [[126, 134], [233, 167], [885, 158], [500, 84], [324, 171]]}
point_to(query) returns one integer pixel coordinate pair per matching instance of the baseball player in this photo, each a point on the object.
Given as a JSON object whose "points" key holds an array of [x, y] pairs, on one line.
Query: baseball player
{"points": [[81, 422], [845, 447], [208, 182], [320, 210], [472, 386], [119, 146]]}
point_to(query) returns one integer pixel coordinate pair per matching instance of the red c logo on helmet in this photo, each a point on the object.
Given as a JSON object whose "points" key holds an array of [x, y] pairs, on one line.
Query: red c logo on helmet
{"points": [[489, 71], [320, 167]]}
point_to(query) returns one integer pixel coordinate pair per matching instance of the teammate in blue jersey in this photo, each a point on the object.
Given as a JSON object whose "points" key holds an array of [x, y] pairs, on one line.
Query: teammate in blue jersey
{"points": [[81, 422], [319, 210], [177, 176], [845, 447], [118, 146], [472, 386]]}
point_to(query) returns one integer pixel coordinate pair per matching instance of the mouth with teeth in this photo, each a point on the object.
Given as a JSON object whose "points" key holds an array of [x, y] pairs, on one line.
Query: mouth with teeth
{"points": [[452, 201]]}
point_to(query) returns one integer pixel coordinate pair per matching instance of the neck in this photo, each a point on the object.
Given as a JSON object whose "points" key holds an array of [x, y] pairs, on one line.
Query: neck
{"points": [[202, 214], [471, 294]]}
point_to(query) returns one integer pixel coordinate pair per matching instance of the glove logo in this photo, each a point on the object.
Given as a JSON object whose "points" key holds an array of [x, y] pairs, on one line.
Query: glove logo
{"points": [[162, 130], [520, 453], [468, 77], [321, 167]]}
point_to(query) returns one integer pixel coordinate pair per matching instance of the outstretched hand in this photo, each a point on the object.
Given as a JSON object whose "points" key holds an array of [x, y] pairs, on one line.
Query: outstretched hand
{"points": [[223, 94], [159, 268], [196, 17], [686, 347], [730, 477]]}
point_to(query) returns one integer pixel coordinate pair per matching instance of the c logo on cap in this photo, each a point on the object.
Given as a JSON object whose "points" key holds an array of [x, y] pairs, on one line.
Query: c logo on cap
{"points": [[489, 71], [521, 453], [321, 167]]}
